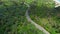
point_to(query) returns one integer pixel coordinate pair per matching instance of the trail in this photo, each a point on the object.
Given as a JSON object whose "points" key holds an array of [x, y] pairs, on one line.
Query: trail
{"points": [[32, 22]]}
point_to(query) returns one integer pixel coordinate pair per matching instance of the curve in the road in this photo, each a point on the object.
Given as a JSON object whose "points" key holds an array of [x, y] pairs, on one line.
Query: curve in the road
{"points": [[36, 25]]}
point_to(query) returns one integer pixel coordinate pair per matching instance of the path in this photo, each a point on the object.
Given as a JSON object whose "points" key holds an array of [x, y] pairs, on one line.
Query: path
{"points": [[36, 25]]}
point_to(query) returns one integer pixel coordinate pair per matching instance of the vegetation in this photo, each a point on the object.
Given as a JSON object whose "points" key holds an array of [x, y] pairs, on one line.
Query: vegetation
{"points": [[13, 20], [46, 15], [43, 12]]}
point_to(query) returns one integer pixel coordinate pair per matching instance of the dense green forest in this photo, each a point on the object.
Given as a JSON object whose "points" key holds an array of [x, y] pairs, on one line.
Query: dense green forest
{"points": [[43, 12]]}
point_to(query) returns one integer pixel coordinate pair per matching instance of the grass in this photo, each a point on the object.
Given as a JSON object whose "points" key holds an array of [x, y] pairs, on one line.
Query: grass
{"points": [[13, 19], [46, 16]]}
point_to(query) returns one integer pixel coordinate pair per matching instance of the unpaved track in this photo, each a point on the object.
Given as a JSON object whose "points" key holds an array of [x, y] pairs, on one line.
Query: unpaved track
{"points": [[36, 25]]}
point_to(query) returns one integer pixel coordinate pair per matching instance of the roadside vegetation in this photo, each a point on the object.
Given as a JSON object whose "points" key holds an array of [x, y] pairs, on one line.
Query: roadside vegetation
{"points": [[13, 19], [45, 14]]}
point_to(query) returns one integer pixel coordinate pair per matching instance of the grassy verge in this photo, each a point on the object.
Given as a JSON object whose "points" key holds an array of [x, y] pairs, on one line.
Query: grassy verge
{"points": [[46, 16]]}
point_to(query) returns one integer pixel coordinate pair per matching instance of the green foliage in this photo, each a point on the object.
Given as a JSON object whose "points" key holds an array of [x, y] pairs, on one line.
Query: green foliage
{"points": [[13, 19], [46, 15]]}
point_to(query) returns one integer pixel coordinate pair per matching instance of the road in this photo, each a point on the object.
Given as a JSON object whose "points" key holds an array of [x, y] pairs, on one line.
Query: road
{"points": [[35, 24]]}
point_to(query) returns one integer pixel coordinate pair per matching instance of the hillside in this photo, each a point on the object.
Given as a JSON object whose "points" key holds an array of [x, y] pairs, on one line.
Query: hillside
{"points": [[13, 19], [47, 16], [43, 12]]}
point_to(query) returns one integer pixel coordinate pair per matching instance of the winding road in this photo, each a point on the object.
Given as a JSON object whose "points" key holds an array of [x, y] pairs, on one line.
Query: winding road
{"points": [[32, 22]]}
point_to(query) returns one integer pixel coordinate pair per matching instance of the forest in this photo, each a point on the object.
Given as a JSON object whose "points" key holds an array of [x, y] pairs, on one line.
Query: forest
{"points": [[29, 17]]}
